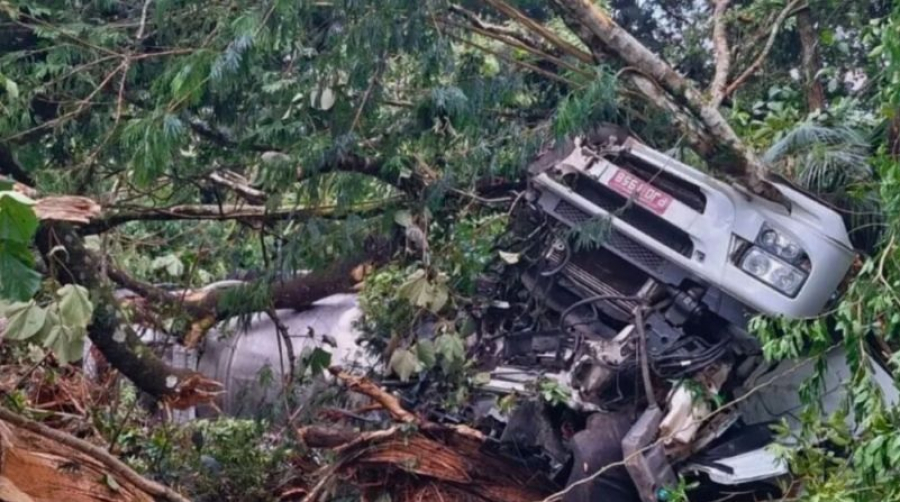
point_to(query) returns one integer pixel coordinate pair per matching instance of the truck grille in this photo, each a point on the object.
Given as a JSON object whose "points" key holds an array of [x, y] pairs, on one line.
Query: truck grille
{"points": [[687, 193], [630, 212], [625, 246]]}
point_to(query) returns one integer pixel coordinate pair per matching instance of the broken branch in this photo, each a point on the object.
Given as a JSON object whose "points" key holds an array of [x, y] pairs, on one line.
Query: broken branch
{"points": [[259, 214], [239, 185], [541, 30], [738, 160], [761, 58], [429, 463]]}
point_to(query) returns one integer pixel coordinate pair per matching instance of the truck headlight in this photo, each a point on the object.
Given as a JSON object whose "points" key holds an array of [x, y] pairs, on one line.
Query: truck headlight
{"points": [[780, 245], [773, 271]]}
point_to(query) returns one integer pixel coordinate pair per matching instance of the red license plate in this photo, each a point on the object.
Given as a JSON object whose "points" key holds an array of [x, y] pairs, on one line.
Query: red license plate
{"points": [[643, 193]]}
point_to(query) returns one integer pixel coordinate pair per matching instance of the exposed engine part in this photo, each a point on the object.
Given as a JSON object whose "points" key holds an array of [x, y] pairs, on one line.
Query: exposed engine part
{"points": [[687, 410], [533, 348], [513, 379], [685, 305], [601, 361], [674, 354]]}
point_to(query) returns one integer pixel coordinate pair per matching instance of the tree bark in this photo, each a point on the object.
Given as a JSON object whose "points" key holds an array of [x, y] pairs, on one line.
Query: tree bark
{"points": [[32, 468], [811, 63], [722, 52], [302, 291], [432, 462]]}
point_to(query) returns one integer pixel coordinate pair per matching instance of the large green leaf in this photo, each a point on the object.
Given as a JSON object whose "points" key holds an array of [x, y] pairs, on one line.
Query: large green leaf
{"points": [[10, 86], [171, 263], [75, 307], [18, 223], [426, 353], [404, 363], [319, 360], [25, 320], [452, 351], [18, 281], [66, 344], [425, 293]]}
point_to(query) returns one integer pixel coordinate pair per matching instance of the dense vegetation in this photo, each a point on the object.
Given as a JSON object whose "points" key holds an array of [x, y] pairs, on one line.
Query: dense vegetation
{"points": [[214, 140]]}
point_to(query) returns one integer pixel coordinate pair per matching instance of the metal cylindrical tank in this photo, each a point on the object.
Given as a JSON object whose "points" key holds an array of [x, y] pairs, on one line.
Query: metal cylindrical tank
{"points": [[242, 358], [239, 356]]}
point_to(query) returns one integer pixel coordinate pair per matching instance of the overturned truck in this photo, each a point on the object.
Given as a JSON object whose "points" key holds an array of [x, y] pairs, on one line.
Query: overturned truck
{"points": [[642, 274]]}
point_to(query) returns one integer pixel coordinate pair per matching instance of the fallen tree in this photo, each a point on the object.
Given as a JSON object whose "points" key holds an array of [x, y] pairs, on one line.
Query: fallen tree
{"points": [[417, 459]]}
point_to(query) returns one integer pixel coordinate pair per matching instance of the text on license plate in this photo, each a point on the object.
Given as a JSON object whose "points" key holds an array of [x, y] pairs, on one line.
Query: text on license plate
{"points": [[644, 194]]}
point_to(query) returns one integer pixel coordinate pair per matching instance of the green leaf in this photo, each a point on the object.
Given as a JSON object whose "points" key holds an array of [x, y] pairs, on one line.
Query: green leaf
{"points": [[440, 293], [403, 218], [426, 353], [18, 223], [482, 378], [404, 363], [12, 89], [18, 281], [323, 99], [51, 320], [25, 320], [75, 308], [53, 334], [67, 345], [452, 351], [416, 289], [319, 360], [423, 293], [171, 263]]}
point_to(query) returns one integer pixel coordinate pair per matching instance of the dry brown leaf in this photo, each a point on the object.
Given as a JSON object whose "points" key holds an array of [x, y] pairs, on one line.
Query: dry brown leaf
{"points": [[198, 331], [193, 390]]}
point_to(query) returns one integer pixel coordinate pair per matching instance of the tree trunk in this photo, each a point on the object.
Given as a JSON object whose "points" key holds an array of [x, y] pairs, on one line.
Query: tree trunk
{"points": [[809, 42], [722, 52], [731, 156]]}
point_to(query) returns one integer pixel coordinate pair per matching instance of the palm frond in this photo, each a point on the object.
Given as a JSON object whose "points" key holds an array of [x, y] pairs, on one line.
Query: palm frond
{"points": [[833, 163]]}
